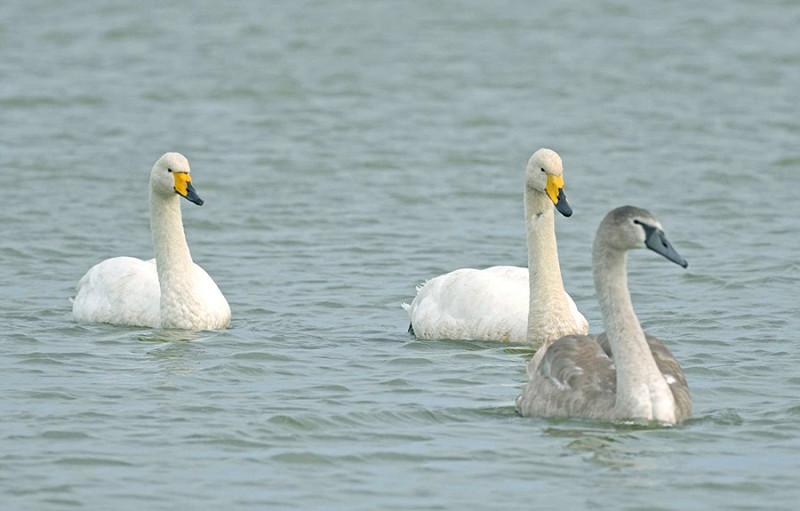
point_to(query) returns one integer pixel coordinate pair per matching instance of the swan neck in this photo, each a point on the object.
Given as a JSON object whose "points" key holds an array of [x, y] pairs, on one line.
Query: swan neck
{"points": [[616, 307], [640, 384], [173, 258], [544, 271]]}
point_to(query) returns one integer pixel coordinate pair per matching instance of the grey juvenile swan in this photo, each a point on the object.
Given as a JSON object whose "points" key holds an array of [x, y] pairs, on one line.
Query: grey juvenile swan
{"points": [[622, 373], [508, 303]]}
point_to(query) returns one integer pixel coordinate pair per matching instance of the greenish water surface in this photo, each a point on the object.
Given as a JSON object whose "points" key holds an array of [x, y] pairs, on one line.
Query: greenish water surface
{"points": [[347, 151]]}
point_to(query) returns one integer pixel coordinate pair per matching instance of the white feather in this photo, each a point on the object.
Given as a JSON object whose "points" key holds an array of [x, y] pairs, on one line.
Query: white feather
{"points": [[495, 304], [129, 291]]}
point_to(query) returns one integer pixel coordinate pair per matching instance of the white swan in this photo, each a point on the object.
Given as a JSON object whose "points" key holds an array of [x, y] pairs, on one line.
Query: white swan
{"points": [[170, 291], [623, 373], [508, 303]]}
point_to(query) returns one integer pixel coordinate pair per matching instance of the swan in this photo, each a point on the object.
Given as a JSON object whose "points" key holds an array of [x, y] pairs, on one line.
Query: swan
{"points": [[622, 373], [508, 303], [170, 291]]}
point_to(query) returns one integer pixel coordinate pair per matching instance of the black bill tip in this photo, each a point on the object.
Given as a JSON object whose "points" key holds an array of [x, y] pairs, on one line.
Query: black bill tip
{"points": [[191, 195], [562, 205]]}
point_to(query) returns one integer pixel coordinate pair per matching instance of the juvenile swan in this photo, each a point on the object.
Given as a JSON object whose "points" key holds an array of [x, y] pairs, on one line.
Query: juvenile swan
{"points": [[623, 373], [170, 291], [508, 303]]}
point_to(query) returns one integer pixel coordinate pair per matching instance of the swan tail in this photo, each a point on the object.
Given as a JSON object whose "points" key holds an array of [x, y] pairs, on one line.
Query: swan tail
{"points": [[407, 307]]}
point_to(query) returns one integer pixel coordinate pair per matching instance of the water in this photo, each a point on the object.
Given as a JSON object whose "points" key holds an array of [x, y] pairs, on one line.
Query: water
{"points": [[346, 152]]}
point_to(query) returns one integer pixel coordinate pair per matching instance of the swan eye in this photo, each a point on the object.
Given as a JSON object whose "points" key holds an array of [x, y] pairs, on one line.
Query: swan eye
{"points": [[169, 170], [542, 169], [648, 229]]}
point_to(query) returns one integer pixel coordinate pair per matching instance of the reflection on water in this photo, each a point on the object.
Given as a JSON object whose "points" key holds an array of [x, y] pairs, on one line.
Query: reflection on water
{"points": [[177, 336], [607, 447], [177, 351]]}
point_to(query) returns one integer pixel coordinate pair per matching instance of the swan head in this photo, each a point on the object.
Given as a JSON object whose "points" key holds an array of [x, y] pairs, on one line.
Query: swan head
{"points": [[171, 175], [545, 175], [629, 227]]}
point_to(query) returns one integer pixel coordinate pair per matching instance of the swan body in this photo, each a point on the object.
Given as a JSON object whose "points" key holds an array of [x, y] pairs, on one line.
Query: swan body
{"points": [[490, 304], [169, 291], [508, 303], [623, 373]]}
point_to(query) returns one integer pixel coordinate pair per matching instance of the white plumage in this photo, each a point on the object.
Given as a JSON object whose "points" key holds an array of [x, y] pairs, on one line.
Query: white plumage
{"points": [[508, 303], [170, 291]]}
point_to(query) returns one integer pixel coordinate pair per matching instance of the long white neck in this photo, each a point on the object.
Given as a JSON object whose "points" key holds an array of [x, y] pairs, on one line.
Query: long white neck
{"points": [[173, 260], [642, 391], [544, 272]]}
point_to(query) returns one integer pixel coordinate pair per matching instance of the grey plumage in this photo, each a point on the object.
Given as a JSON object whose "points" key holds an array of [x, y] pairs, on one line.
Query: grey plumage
{"points": [[577, 378], [623, 373]]}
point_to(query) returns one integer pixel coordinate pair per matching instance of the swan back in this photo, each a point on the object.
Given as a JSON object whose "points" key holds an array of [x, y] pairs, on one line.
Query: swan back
{"points": [[120, 290]]}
